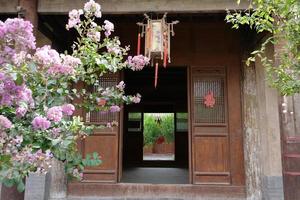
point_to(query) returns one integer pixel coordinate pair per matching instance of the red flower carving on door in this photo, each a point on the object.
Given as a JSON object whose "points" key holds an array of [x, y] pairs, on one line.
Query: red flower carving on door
{"points": [[209, 100]]}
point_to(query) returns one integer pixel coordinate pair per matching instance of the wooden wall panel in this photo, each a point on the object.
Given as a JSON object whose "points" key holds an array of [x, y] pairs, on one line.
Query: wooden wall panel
{"points": [[211, 154]]}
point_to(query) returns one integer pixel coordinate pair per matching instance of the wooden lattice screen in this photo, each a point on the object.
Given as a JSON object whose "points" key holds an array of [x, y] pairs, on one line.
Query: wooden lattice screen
{"points": [[203, 114], [97, 117]]}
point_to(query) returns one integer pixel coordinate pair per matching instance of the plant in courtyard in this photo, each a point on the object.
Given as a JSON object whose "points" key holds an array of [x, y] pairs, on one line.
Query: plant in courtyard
{"points": [[36, 110], [281, 19], [155, 131]]}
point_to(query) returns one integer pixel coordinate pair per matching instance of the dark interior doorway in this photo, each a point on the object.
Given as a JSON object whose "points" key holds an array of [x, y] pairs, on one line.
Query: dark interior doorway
{"points": [[170, 97]]}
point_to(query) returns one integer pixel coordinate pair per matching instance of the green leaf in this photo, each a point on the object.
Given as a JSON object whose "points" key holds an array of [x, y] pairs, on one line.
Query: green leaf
{"points": [[60, 90], [21, 186], [8, 182], [19, 79]]}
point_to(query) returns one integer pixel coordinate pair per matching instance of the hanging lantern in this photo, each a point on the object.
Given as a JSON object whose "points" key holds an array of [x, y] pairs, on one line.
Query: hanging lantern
{"points": [[157, 41]]}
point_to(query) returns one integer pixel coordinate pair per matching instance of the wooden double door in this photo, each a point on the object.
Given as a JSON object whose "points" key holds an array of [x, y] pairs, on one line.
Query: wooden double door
{"points": [[215, 132]]}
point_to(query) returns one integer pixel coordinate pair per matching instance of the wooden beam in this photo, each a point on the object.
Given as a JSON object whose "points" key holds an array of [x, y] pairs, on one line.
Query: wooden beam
{"points": [[8, 6], [142, 6]]}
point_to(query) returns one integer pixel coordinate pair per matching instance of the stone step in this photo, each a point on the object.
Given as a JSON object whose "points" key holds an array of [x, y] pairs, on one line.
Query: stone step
{"points": [[148, 198]]}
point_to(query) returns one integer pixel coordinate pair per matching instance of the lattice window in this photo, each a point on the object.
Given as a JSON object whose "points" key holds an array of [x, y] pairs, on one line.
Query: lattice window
{"points": [[209, 114], [96, 117]]}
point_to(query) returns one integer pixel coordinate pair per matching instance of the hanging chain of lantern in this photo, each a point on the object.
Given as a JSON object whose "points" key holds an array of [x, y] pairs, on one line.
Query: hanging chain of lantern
{"points": [[157, 35]]}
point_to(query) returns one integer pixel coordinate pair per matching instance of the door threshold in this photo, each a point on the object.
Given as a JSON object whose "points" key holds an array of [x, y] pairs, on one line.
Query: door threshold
{"points": [[152, 191]]}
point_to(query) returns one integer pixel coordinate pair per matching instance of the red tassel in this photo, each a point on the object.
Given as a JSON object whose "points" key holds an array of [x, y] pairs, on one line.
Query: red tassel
{"points": [[165, 57], [139, 44], [156, 75]]}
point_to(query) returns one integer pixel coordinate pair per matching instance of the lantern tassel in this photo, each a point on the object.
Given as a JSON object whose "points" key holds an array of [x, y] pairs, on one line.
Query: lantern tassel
{"points": [[165, 57], [156, 75], [139, 44]]}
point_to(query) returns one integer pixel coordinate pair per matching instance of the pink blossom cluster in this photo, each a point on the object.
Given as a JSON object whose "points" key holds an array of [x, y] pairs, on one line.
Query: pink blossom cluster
{"points": [[108, 27], [40, 123], [67, 67], [114, 48], [92, 8], [15, 36], [137, 63], [12, 94], [76, 173], [55, 132], [10, 145], [19, 58], [68, 109], [5, 123], [55, 63], [41, 160], [114, 108], [94, 35], [54, 114], [45, 56], [121, 86], [111, 124], [74, 18], [136, 98], [6, 146], [21, 111]]}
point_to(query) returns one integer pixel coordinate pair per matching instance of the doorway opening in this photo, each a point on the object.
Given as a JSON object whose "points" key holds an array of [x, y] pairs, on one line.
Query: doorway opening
{"points": [[159, 136], [155, 131]]}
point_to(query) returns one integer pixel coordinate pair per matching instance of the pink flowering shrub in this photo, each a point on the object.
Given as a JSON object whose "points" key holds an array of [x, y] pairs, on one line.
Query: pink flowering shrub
{"points": [[137, 62], [36, 110], [41, 123]]}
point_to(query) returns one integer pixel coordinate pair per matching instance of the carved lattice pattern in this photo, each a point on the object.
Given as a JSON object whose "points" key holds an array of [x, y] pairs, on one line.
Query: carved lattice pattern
{"points": [[204, 114], [97, 117]]}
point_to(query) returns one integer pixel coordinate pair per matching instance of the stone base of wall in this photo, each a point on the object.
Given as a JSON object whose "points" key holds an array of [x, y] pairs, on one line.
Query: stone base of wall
{"points": [[272, 188], [37, 187]]}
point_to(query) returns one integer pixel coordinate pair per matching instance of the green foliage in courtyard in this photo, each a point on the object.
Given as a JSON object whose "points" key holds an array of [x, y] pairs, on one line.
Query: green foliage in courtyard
{"points": [[281, 20], [157, 126]]}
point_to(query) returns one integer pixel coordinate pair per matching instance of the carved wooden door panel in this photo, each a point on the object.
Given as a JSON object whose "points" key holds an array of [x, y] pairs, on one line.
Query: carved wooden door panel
{"points": [[210, 127], [103, 141]]}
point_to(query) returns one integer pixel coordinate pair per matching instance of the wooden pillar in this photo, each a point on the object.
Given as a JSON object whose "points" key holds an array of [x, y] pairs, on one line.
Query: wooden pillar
{"points": [[261, 134], [28, 10], [252, 138]]}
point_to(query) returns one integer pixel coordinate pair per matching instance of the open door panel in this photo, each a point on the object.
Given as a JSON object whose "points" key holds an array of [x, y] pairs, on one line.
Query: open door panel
{"points": [[103, 141], [210, 138]]}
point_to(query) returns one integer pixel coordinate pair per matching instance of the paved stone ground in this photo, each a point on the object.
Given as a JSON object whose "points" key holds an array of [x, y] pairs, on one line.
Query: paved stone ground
{"points": [[135, 198], [156, 156], [155, 175]]}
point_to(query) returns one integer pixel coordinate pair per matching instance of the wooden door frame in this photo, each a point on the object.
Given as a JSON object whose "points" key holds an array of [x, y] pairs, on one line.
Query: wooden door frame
{"points": [[121, 129], [121, 134], [189, 124]]}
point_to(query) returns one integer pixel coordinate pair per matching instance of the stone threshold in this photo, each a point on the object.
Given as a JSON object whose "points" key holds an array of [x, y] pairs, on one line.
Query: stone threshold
{"points": [[131, 191], [143, 198]]}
